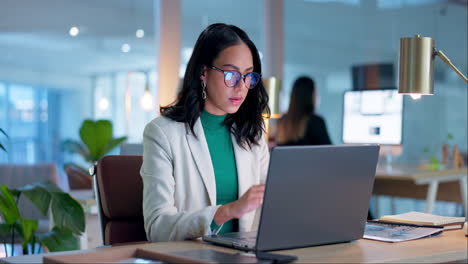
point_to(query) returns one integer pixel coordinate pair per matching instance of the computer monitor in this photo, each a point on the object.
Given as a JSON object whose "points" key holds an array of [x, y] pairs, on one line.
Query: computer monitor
{"points": [[373, 116]]}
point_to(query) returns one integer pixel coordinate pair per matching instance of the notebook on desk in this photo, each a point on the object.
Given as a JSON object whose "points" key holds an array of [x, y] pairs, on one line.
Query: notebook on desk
{"points": [[419, 218], [314, 195]]}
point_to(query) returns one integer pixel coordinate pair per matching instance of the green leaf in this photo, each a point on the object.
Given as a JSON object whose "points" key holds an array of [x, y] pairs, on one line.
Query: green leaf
{"points": [[434, 163], [59, 239], [73, 146], [46, 185], [5, 229], [67, 212], [27, 229], [16, 194], [112, 144], [95, 136], [38, 195], [434, 160], [8, 206], [450, 136]]}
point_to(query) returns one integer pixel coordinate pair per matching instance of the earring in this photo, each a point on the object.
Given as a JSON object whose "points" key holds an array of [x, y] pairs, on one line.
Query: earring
{"points": [[203, 94]]}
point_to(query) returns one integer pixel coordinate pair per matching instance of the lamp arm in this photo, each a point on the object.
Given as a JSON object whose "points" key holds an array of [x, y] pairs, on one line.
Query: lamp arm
{"points": [[447, 61]]}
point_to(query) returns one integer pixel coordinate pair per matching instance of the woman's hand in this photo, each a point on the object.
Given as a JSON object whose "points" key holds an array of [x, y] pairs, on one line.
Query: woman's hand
{"points": [[250, 201]]}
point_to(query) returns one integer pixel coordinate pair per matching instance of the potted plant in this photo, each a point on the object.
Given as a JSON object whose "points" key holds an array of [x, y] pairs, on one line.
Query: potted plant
{"points": [[96, 141], [66, 213]]}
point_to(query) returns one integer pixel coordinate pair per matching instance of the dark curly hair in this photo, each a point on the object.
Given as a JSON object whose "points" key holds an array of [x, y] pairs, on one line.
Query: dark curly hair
{"points": [[247, 123]]}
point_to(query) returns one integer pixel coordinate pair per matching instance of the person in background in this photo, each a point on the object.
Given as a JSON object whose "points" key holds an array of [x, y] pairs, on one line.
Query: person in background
{"points": [[301, 125], [205, 158]]}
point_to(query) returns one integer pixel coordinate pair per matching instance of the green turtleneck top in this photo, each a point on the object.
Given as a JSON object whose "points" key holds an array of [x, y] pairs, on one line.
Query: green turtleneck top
{"points": [[223, 159]]}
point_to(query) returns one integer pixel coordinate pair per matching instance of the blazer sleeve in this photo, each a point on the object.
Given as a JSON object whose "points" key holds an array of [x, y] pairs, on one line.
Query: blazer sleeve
{"points": [[163, 221]]}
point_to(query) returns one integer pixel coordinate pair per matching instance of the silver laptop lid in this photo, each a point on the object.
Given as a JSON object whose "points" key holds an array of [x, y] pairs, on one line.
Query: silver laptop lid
{"points": [[316, 195]]}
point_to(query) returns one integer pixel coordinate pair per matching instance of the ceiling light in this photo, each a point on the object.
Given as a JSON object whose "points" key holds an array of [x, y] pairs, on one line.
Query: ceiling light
{"points": [[140, 33], [125, 48], [74, 31], [103, 104], [146, 100]]}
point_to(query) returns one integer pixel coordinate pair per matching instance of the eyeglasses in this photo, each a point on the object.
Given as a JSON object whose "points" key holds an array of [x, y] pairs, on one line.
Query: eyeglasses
{"points": [[232, 78]]}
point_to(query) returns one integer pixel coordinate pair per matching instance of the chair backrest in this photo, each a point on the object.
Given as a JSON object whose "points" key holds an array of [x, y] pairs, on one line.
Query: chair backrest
{"points": [[77, 180], [119, 195]]}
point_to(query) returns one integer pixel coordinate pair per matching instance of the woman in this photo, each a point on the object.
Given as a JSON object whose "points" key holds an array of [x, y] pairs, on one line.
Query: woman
{"points": [[300, 125], [205, 159]]}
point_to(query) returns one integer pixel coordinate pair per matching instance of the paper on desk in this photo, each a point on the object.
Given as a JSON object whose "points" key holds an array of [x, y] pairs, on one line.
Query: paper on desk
{"points": [[397, 233]]}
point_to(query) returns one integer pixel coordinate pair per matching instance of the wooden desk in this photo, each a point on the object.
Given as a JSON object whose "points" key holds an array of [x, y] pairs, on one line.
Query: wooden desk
{"points": [[449, 247], [412, 182]]}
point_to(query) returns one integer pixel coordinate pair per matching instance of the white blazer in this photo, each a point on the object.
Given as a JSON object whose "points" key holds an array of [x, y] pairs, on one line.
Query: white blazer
{"points": [[179, 187]]}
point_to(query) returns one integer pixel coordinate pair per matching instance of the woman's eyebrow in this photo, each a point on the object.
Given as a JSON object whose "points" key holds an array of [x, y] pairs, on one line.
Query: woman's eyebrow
{"points": [[237, 68]]}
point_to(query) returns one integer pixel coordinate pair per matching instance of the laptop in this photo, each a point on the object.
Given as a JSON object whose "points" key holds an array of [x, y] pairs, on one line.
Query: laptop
{"points": [[314, 195]]}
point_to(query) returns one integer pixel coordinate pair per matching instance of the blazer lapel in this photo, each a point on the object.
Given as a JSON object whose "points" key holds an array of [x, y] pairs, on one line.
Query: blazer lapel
{"points": [[243, 163], [201, 155], [246, 178]]}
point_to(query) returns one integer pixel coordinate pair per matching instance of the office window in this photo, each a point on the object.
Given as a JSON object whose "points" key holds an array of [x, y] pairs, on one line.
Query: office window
{"points": [[29, 116], [117, 97], [3, 105], [23, 125], [3, 119]]}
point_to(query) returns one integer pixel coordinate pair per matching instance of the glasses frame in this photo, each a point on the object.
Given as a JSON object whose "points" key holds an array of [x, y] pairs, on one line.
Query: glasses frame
{"points": [[242, 76]]}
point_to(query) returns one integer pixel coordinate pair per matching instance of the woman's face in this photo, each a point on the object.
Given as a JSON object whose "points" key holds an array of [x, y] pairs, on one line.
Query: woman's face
{"points": [[221, 99]]}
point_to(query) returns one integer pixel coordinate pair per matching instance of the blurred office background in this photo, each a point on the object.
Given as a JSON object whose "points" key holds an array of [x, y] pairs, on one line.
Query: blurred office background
{"points": [[63, 61]]}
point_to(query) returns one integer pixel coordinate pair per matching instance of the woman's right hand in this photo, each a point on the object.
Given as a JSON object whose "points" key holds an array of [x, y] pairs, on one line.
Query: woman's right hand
{"points": [[250, 201]]}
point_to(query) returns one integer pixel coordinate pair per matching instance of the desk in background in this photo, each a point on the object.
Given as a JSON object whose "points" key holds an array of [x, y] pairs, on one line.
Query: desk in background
{"points": [[91, 238], [412, 182], [451, 246]]}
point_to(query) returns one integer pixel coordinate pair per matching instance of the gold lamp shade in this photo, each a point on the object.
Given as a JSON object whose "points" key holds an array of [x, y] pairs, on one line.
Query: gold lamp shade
{"points": [[272, 86], [417, 56], [416, 65]]}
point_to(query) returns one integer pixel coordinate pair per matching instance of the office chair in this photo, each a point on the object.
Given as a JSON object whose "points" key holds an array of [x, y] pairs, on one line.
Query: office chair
{"points": [[77, 179], [119, 194]]}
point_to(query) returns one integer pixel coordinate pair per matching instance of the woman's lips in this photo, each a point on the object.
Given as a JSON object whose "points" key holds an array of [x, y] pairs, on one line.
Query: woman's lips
{"points": [[236, 100]]}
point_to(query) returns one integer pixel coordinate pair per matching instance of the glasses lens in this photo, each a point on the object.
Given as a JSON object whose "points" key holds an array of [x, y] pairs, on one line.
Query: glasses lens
{"points": [[251, 80], [231, 78]]}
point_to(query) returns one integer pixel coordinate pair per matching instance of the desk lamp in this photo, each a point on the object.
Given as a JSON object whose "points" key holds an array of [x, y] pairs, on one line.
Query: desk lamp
{"points": [[417, 65], [272, 86], [416, 70]]}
